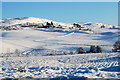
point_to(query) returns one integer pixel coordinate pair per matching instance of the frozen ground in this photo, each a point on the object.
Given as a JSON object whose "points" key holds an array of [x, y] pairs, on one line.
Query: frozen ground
{"points": [[48, 40], [38, 43], [100, 65], [45, 40]]}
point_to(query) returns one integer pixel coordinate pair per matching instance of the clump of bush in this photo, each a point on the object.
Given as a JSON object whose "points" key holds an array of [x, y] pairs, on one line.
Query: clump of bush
{"points": [[103, 26], [95, 49], [18, 53], [116, 46], [21, 70], [80, 50], [69, 53]]}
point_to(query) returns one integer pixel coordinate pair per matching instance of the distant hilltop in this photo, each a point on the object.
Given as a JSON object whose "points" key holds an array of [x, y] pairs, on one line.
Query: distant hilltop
{"points": [[17, 23]]}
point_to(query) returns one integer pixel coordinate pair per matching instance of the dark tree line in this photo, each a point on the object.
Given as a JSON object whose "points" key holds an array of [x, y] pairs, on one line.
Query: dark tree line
{"points": [[76, 25], [49, 24], [98, 49], [93, 49]]}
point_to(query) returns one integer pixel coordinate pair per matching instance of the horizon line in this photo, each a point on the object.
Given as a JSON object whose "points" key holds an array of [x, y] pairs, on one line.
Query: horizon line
{"points": [[61, 22]]}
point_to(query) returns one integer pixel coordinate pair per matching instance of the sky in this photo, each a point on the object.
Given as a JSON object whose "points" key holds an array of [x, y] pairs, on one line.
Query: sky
{"points": [[60, 0], [68, 12]]}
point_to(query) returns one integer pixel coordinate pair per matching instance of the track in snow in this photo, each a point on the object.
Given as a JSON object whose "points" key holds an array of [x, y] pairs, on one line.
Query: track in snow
{"points": [[101, 65]]}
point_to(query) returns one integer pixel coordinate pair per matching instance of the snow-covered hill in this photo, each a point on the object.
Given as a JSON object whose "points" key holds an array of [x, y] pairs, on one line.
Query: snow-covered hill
{"points": [[15, 21], [28, 43], [76, 34]]}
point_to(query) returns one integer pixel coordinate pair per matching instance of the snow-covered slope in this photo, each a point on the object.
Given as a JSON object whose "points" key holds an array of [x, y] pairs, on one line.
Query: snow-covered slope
{"points": [[55, 39], [14, 21]]}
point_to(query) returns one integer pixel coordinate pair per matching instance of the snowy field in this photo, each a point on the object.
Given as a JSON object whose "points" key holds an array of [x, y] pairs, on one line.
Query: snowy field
{"points": [[100, 65], [41, 50], [55, 40]]}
